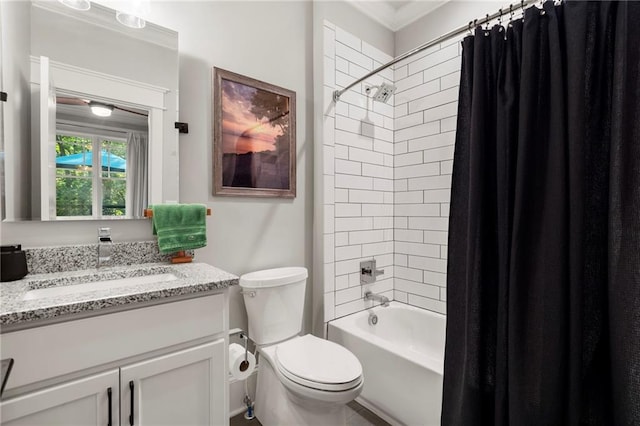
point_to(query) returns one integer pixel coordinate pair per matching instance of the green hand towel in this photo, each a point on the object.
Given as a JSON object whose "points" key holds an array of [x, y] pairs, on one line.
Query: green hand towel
{"points": [[180, 226]]}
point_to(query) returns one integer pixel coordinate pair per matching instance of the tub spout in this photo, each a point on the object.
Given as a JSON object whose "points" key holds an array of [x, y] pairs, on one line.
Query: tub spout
{"points": [[384, 300]]}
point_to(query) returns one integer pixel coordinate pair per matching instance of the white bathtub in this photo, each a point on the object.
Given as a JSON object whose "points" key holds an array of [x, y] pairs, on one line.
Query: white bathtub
{"points": [[402, 357]]}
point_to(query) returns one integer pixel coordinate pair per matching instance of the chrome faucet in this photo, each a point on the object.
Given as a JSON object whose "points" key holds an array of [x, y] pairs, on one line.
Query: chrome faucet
{"points": [[368, 271], [384, 300], [105, 246]]}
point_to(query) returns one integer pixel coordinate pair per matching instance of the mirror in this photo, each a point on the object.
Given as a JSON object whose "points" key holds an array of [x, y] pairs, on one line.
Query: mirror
{"points": [[73, 60]]}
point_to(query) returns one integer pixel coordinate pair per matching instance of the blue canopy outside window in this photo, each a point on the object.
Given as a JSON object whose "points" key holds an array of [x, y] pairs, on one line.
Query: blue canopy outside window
{"points": [[107, 160]]}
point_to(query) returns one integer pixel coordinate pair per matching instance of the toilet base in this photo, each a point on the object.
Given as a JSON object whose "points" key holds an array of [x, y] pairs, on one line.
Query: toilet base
{"points": [[276, 406]]}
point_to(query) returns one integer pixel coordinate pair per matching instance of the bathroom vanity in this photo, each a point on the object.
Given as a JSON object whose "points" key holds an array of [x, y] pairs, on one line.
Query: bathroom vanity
{"points": [[136, 349]]}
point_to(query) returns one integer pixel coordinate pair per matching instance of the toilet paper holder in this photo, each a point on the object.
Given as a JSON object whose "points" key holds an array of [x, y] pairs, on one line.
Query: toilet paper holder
{"points": [[242, 335], [245, 364]]}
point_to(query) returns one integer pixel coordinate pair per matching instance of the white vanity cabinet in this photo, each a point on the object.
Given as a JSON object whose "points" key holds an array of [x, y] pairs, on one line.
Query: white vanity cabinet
{"points": [[88, 401], [158, 365], [180, 388]]}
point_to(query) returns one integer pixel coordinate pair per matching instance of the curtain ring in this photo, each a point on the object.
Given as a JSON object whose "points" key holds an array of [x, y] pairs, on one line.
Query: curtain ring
{"points": [[469, 27]]}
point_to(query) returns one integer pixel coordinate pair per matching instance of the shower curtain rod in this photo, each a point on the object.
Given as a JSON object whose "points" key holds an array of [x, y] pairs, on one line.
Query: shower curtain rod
{"points": [[457, 31]]}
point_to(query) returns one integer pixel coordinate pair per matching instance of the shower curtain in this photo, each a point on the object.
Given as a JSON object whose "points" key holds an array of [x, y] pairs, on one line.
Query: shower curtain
{"points": [[543, 290]]}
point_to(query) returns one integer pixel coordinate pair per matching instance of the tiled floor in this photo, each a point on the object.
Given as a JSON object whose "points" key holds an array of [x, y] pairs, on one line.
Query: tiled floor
{"points": [[357, 415]]}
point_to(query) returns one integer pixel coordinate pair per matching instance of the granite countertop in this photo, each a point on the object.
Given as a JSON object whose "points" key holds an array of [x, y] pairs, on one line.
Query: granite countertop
{"points": [[192, 278]]}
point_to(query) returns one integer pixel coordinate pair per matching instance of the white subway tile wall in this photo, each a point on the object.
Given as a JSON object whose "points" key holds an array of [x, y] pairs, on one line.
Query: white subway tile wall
{"points": [[387, 173], [358, 163], [426, 105]]}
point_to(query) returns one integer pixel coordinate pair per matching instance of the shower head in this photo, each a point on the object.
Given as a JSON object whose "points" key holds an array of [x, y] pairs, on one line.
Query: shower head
{"points": [[383, 93]]}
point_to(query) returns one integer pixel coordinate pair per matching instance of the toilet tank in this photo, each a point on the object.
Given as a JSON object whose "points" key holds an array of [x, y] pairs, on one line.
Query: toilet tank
{"points": [[274, 299]]}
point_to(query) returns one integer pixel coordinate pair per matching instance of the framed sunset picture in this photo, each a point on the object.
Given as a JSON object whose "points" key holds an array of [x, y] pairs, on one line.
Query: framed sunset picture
{"points": [[254, 137]]}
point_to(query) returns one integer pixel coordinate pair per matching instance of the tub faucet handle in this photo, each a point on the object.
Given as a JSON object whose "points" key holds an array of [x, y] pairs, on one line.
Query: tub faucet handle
{"points": [[368, 271], [372, 272]]}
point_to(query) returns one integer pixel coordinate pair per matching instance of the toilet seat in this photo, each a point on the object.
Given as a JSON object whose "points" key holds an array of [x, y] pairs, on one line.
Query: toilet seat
{"points": [[318, 364]]}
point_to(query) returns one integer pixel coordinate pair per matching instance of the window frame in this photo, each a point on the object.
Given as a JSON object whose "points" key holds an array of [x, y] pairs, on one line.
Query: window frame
{"points": [[97, 136]]}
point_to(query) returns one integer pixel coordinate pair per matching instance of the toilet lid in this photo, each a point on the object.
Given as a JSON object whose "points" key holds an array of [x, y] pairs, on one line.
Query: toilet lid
{"points": [[318, 363]]}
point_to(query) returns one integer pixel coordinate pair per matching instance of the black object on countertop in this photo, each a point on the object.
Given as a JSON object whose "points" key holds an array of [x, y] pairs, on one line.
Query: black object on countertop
{"points": [[13, 263]]}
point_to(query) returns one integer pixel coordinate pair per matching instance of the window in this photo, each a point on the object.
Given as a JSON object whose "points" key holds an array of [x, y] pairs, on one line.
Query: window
{"points": [[113, 179], [80, 191]]}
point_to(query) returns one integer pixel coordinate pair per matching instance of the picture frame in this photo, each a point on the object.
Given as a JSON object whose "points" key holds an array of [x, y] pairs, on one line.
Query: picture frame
{"points": [[254, 137]]}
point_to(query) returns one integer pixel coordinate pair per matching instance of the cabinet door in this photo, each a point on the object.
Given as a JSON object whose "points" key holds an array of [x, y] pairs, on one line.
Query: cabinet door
{"points": [[88, 401], [184, 388]]}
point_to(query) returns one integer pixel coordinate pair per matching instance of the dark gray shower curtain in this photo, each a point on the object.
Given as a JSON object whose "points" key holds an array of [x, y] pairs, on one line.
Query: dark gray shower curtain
{"points": [[543, 300]]}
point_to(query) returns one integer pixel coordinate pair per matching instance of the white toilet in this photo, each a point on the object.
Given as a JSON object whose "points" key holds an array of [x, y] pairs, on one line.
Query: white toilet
{"points": [[302, 380]]}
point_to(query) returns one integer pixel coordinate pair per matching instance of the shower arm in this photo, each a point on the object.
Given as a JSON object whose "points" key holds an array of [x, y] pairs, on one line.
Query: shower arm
{"points": [[447, 36]]}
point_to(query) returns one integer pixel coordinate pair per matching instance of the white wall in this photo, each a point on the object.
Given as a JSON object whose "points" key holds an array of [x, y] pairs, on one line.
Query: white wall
{"points": [[446, 18], [269, 41]]}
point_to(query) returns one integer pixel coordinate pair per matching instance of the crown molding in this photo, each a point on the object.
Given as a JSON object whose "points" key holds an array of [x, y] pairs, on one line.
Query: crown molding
{"points": [[387, 15]]}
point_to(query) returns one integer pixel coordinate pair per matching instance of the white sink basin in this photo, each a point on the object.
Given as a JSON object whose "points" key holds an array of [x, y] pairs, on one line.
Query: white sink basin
{"points": [[64, 290]]}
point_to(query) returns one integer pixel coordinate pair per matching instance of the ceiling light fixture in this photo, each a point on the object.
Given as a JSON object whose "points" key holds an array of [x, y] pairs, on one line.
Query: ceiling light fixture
{"points": [[82, 5], [133, 13], [100, 109]]}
